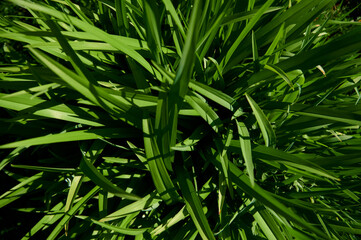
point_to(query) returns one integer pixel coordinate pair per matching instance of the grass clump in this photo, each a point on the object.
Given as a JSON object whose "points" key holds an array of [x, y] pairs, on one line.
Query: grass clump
{"points": [[181, 120]]}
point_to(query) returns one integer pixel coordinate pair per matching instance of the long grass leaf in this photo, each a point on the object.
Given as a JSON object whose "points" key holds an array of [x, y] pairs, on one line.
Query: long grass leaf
{"points": [[193, 205], [146, 202], [265, 126], [245, 144], [91, 172], [73, 136], [245, 31], [68, 215]]}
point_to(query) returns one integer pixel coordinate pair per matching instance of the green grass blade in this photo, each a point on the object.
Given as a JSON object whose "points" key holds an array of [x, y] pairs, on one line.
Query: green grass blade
{"points": [[243, 182], [152, 16], [172, 11], [73, 136], [266, 128], [245, 144], [73, 191], [273, 45], [204, 111], [245, 31], [213, 94], [291, 160], [146, 202], [280, 72], [27, 103], [182, 214], [193, 204], [68, 215], [49, 219], [245, 15], [11, 157], [87, 28], [17, 191], [160, 175], [125, 231], [331, 114], [45, 169], [90, 171]]}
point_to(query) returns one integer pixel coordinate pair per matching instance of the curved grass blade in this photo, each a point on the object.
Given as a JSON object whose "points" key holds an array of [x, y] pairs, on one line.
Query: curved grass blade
{"points": [[172, 11], [205, 111], [79, 135], [273, 45], [90, 171], [9, 158], [73, 191], [213, 94], [46, 169], [125, 231], [274, 155], [245, 31], [246, 15], [160, 175], [29, 104], [49, 219], [117, 106], [68, 215], [193, 204], [87, 28], [266, 128], [179, 216], [332, 114], [20, 189], [245, 144], [280, 72], [146, 202], [243, 182]]}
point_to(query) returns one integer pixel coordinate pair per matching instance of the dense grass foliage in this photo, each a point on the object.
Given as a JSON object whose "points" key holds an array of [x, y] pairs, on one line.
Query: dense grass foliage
{"points": [[180, 120]]}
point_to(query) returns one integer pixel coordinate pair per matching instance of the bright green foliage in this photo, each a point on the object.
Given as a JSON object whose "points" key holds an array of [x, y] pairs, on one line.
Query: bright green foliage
{"points": [[168, 119]]}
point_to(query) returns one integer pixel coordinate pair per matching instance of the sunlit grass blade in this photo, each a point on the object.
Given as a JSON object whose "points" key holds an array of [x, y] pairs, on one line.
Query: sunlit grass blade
{"points": [[204, 111], [30, 104], [280, 72], [274, 44], [245, 15], [49, 219], [152, 16], [20, 189], [213, 94], [266, 198], [180, 119], [73, 136], [11, 156], [181, 214], [125, 231], [245, 144], [87, 28], [245, 31], [184, 73], [91, 172], [146, 202], [332, 114], [160, 175], [93, 93], [69, 214], [193, 204], [46, 169], [265, 126], [73, 191], [78, 12], [189, 143], [172, 11]]}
